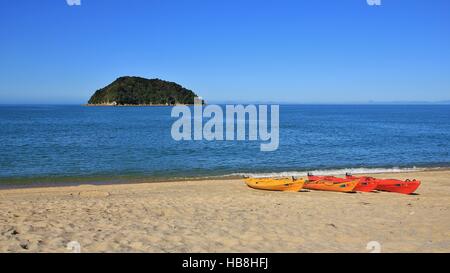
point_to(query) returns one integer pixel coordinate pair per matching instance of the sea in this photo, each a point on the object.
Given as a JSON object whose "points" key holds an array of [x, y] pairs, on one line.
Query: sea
{"points": [[63, 144]]}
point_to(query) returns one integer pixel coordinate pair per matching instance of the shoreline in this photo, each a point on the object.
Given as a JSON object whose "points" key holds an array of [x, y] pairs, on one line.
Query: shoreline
{"points": [[24, 183], [225, 216], [132, 181]]}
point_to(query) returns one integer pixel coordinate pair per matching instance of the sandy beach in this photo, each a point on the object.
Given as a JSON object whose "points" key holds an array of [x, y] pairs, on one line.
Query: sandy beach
{"points": [[225, 216]]}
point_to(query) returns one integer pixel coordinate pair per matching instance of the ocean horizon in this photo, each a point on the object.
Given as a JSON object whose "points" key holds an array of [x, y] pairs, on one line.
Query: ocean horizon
{"points": [[245, 102]]}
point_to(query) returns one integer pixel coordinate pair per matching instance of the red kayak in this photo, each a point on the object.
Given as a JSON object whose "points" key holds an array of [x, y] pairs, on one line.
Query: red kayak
{"points": [[364, 184], [392, 185]]}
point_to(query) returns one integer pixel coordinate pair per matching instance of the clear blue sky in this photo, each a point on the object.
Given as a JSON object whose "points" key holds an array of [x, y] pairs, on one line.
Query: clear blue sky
{"points": [[226, 50]]}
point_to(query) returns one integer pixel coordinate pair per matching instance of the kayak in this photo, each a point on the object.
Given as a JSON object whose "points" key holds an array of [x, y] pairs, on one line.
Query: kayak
{"points": [[327, 185], [364, 184], [393, 185], [275, 184]]}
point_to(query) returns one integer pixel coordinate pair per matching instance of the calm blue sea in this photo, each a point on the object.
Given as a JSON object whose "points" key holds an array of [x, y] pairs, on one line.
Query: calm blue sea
{"points": [[40, 144]]}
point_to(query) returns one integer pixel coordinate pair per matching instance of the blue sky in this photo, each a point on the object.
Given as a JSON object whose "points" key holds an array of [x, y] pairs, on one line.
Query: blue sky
{"points": [[288, 51]]}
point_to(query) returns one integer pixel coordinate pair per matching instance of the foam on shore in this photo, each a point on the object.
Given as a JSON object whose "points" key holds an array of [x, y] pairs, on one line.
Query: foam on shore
{"points": [[336, 172]]}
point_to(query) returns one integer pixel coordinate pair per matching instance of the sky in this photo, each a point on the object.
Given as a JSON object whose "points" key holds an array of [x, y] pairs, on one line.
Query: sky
{"points": [[299, 51]]}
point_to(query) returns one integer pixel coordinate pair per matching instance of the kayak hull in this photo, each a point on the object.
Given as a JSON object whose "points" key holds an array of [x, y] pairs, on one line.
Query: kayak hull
{"points": [[326, 185], [404, 187], [393, 185], [364, 185], [270, 184]]}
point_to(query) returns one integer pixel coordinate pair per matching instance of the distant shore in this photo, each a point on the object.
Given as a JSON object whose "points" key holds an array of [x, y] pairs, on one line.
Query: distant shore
{"points": [[225, 216]]}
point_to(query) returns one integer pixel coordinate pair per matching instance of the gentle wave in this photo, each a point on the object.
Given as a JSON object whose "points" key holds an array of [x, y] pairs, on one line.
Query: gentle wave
{"points": [[334, 172]]}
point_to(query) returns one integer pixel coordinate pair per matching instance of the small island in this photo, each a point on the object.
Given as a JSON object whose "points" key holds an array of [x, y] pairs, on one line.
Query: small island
{"points": [[137, 91]]}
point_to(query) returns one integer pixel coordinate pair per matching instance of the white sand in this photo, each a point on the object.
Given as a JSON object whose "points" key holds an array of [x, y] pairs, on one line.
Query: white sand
{"points": [[225, 216]]}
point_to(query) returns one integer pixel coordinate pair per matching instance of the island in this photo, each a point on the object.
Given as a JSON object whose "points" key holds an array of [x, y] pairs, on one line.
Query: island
{"points": [[137, 91]]}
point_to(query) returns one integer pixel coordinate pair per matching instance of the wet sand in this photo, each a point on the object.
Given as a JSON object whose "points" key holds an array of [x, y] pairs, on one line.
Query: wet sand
{"points": [[225, 216]]}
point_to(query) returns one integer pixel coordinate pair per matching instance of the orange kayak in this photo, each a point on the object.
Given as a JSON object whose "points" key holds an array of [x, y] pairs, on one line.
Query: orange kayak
{"points": [[275, 184], [327, 185], [393, 185], [364, 184]]}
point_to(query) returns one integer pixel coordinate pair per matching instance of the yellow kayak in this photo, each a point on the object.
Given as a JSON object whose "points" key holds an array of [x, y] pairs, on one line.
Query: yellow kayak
{"points": [[275, 184]]}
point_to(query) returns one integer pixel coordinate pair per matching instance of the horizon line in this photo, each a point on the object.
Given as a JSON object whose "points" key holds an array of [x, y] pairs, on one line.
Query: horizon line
{"points": [[443, 102]]}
